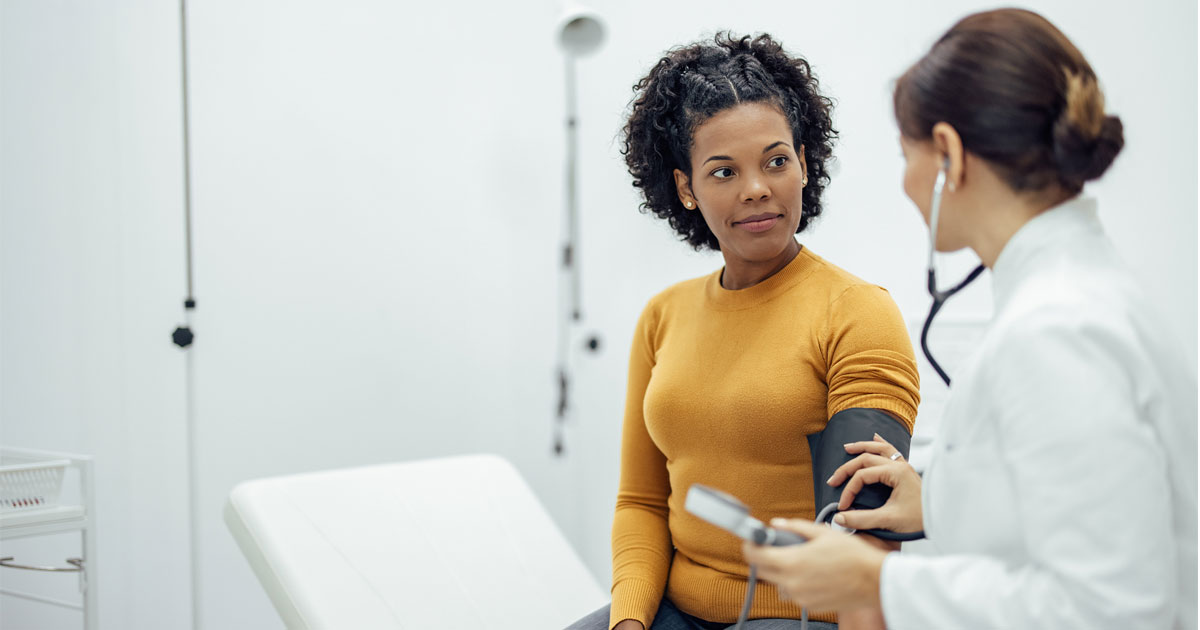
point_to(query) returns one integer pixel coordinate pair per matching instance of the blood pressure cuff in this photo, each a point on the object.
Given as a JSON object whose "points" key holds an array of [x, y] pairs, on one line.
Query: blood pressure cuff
{"points": [[829, 453]]}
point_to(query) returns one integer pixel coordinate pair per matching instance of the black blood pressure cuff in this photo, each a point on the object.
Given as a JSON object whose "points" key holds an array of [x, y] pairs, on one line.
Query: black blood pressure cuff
{"points": [[829, 453]]}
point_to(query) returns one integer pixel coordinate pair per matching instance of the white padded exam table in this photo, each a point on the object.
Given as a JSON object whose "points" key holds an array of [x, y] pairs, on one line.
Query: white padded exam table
{"points": [[459, 542]]}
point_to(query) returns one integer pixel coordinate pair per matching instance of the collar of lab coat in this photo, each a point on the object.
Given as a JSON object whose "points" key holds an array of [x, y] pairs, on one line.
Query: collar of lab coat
{"points": [[1053, 229]]}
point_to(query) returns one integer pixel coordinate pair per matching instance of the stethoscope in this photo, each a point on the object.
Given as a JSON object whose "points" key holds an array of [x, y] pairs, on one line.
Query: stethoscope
{"points": [[939, 297]]}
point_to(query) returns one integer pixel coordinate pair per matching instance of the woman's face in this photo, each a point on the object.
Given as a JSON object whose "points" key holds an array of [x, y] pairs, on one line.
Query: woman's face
{"points": [[921, 163], [747, 181]]}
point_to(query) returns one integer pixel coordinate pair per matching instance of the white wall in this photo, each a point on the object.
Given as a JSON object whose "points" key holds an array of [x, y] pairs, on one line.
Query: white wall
{"points": [[377, 197], [91, 282]]}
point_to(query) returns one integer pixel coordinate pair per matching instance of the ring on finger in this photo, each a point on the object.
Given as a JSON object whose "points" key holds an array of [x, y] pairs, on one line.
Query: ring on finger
{"points": [[896, 456]]}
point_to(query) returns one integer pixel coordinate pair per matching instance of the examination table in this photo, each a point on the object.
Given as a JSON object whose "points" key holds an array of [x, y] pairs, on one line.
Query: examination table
{"points": [[459, 542]]}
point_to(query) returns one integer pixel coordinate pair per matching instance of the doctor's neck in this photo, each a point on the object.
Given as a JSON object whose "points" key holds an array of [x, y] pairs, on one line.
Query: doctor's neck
{"points": [[993, 211]]}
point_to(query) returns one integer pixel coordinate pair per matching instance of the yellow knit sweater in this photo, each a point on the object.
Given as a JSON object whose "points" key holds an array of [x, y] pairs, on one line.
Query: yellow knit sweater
{"points": [[723, 388]]}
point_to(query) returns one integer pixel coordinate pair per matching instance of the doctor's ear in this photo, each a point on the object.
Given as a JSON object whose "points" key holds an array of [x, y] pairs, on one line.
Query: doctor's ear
{"points": [[949, 146]]}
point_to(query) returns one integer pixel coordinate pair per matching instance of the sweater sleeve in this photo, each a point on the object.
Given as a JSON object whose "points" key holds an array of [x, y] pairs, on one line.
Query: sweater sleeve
{"points": [[641, 541], [869, 358]]}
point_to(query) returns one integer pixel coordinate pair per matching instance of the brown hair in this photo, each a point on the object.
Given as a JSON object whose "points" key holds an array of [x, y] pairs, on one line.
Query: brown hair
{"points": [[1020, 96]]}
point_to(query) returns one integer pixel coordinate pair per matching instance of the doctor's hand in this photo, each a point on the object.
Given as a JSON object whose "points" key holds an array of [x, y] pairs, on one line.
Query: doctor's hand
{"points": [[879, 462], [832, 571]]}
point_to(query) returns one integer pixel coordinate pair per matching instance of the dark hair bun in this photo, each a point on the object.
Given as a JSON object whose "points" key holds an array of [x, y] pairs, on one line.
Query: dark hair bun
{"points": [[1086, 141], [1080, 158]]}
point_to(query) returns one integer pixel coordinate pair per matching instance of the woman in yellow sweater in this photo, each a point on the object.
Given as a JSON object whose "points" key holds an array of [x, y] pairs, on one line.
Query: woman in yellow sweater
{"points": [[729, 373]]}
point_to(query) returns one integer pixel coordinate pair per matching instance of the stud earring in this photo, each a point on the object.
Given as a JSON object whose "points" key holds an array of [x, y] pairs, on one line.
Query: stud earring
{"points": [[688, 205]]}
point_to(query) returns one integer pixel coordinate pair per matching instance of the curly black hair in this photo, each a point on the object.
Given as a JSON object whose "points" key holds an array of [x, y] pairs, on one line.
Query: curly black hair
{"points": [[694, 82]]}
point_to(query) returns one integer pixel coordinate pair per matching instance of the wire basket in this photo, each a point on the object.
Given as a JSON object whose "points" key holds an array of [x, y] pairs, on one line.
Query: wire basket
{"points": [[30, 485]]}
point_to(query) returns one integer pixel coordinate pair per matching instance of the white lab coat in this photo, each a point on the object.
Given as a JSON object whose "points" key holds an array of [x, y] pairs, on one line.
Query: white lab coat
{"points": [[1062, 488]]}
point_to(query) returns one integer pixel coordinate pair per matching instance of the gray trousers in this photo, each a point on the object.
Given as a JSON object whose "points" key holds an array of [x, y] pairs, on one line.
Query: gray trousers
{"points": [[671, 618]]}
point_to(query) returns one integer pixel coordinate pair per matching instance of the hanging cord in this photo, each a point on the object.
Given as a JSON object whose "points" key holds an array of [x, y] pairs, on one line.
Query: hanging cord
{"points": [[183, 335], [753, 580], [751, 583], [570, 266]]}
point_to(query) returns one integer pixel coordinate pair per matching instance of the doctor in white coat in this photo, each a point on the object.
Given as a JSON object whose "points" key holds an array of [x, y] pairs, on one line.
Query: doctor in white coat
{"points": [[1062, 489]]}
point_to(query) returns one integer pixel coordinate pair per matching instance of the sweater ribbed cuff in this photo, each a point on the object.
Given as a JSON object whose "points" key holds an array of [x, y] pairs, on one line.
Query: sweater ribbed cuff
{"points": [[882, 402], [634, 599]]}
